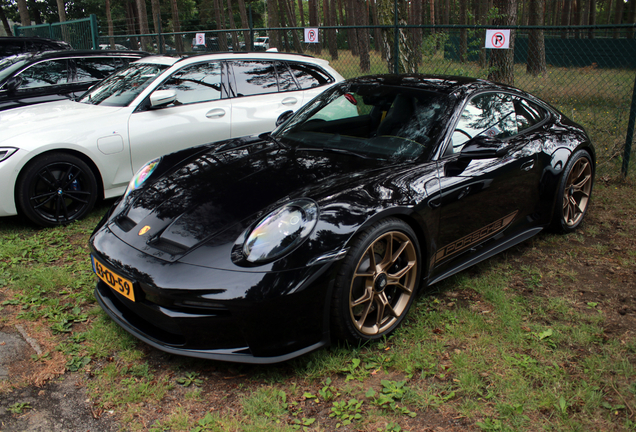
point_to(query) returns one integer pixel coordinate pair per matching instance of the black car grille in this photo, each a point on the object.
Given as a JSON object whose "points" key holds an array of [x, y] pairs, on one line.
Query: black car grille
{"points": [[168, 247], [125, 223]]}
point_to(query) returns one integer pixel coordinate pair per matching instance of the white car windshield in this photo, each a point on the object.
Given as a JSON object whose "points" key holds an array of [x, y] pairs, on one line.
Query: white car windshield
{"points": [[121, 88]]}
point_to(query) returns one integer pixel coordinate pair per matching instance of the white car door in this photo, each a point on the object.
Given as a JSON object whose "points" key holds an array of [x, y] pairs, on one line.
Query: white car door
{"points": [[263, 90], [201, 114]]}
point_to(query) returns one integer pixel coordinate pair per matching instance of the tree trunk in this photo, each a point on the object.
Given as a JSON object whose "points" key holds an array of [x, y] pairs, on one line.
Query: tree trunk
{"points": [[377, 33], [131, 23], [463, 33], [156, 23], [618, 17], [219, 17], [5, 22], [333, 34], [302, 13], [25, 20], [146, 43], [406, 59], [61, 10], [313, 22], [502, 60], [291, 19], [415, 18], [272, 21], [245, 24], [484, 7], [235, 42], [352, 35], [432, 9], [632, 18], [176, 27], [109, 22], [592, 18], [362, 16], [565, 17], [536, 41]]}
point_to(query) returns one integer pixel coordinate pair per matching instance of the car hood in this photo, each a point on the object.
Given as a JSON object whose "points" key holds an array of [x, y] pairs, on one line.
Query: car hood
{"points": [[213, 196], [49, 118]]}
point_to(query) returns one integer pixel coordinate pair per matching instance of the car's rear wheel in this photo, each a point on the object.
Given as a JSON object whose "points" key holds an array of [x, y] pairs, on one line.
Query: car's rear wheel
{"points": [[377, 282], [574, 193], [56, 189]]}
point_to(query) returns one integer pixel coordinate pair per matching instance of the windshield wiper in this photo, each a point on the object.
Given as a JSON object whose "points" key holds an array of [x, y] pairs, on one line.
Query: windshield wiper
{"points": [[333, 150]]}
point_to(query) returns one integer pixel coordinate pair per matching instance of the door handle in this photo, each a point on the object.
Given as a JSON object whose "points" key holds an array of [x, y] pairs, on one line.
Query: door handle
{"points": [[215, 113], [527, 166], [290, 101]]}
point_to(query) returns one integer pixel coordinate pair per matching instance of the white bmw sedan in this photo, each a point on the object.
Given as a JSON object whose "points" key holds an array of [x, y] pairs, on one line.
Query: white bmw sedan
{"points": [[58, 158]]}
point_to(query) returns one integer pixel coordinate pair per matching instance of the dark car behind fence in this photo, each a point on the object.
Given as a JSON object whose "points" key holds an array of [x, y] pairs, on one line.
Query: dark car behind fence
{"points": [[589, 72]]}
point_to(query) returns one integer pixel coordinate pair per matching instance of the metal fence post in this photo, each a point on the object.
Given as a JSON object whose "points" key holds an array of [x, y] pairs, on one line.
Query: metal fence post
{"points": [[630, 133], [160, 43], [94, 31]]}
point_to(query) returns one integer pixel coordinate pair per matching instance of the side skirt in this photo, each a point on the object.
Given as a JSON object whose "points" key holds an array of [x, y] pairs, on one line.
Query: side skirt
{"points": [[494, 250]]}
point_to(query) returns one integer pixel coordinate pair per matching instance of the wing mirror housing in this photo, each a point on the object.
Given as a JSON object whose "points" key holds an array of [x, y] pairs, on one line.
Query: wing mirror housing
{"points": [[13, 83], [481, 147], [162, 98], [284, 117]]}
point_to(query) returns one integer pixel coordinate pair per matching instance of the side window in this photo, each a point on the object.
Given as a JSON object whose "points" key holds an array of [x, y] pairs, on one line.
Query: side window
{"points": [[528, 114], [285, 79], [196, 83], [254, 77], [46, 73], [488, 114], [309, 76], [95, 69]]}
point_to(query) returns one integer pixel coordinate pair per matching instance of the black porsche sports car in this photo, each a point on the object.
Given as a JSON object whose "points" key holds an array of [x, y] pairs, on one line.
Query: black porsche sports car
{"points": [[263, 248]]}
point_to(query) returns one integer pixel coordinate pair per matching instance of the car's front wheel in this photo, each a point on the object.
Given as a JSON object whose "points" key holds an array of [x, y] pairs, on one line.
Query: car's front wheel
{"points": [[56, 189], [377, 282]]}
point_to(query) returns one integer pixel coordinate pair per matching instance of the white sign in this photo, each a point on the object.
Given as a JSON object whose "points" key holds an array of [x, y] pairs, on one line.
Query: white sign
{"points": [[311, 35], [498, 39], [200, 39]]}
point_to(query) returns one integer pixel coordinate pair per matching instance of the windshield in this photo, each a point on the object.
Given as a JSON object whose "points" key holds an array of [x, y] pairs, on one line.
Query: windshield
{"points": [[372, 121], [121, 88], [9, 65]]}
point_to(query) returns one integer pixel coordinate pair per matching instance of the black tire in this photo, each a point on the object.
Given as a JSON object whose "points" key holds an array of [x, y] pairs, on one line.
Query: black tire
{"points": [[56, 189], [369, 304], [575, 191]]}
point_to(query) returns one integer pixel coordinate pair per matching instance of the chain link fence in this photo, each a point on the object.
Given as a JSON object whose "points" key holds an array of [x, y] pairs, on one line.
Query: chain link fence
{"points": [[589, 72]]}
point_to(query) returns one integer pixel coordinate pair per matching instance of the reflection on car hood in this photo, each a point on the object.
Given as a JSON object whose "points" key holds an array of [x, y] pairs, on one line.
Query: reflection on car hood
{"points": [[225, 191], [66, 115]]}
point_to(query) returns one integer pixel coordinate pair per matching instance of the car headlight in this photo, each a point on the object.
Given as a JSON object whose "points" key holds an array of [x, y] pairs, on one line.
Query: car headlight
{"points": [[281, 231], [5, 152], [141, 176]]}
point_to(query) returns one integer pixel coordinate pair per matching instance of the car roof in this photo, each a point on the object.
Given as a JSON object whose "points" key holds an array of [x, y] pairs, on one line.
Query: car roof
{"points": [[170, 60], [86, 53], [446, 84]]}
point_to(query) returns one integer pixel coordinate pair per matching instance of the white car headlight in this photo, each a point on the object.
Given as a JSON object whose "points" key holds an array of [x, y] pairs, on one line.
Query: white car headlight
{"points": [[5, 152], [281, 231], [141, 176]]}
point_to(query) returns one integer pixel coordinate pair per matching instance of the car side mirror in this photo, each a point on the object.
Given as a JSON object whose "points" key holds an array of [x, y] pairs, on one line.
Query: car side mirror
{"points": [[482, 147], [161, 98], [284, 117], [13, 83]]}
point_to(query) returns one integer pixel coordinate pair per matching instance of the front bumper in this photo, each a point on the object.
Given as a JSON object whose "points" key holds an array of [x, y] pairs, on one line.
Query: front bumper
{"points": [[244, 317]]}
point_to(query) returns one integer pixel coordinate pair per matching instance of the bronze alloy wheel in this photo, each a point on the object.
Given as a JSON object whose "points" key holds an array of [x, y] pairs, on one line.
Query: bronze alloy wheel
{"points": [[383, 283], [577, 192]]}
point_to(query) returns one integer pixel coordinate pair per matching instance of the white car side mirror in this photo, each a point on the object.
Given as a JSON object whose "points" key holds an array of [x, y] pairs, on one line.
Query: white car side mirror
{"points": [[161, 98]]}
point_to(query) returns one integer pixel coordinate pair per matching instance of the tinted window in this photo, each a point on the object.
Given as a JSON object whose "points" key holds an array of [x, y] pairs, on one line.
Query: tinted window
{"points": [[254, 77], [196, 83], [489, 114], [44, 74], [95, 69], [309, 76], [528, 114], [285, 79]]}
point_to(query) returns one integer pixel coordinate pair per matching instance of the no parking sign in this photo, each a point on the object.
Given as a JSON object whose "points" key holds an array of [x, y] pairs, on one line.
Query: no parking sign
{"points": [[498, 39], [311, 35]]}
